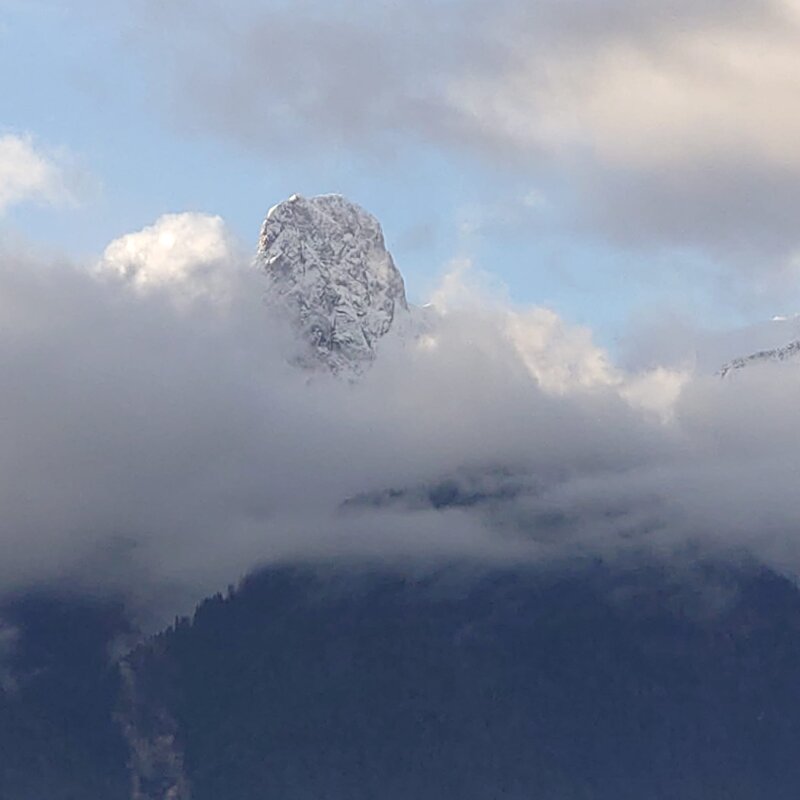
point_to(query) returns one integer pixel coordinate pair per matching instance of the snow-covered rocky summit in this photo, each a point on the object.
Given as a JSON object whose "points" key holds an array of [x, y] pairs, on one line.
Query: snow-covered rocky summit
{"points": [[328, 269], [789, 352]]}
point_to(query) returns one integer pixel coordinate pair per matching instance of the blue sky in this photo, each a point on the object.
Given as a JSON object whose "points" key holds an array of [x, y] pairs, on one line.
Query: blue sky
{"points": [[498, 132]]}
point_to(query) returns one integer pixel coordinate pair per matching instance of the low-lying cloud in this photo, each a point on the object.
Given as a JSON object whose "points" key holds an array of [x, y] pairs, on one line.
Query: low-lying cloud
{"points": [[158, 444]]}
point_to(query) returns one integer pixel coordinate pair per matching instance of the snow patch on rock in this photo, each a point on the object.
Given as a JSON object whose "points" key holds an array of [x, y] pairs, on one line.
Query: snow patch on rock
{"points": [[789, 352]]}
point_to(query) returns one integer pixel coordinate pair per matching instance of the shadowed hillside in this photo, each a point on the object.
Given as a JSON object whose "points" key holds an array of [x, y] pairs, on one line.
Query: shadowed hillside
{"points": [[58, 736], [594, 685]]}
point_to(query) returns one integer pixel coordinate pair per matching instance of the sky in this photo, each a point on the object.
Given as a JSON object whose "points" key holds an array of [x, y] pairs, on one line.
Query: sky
{"points": [[598, 204], [617, 163]]}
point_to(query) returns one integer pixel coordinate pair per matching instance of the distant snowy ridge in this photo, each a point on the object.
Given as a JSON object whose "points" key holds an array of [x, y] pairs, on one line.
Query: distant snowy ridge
{"points": [[330, 273], [788, 352]]}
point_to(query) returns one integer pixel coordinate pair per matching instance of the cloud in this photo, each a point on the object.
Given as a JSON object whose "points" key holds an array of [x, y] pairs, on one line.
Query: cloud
{"points": [[162, 449], [562, 358], [676, 87], [670, 125], [29, 175], [188, 254]]}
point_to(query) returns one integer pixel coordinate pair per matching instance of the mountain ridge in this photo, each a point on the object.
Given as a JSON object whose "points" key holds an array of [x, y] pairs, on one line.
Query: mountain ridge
{"points": [[786, 353]]}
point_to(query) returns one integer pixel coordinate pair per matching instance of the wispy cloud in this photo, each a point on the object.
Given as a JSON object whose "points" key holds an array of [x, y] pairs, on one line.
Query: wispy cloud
{"points": [[30, 174]]}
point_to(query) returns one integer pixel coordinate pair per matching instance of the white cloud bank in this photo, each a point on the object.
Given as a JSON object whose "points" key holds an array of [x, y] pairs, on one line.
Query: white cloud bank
{"points": [[163, 449]]}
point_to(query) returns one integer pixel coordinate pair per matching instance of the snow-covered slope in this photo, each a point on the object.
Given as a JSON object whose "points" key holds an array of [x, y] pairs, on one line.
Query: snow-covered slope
{"points": [[789, 352], [328, 269]]}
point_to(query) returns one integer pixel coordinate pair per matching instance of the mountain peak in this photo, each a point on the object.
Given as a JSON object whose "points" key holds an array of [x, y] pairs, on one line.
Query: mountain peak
{"points": [[329, 271]]}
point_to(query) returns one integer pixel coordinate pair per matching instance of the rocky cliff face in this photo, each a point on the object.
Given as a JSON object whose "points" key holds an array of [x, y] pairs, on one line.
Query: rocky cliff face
{"points": [[156, 757], [330, 273]]}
